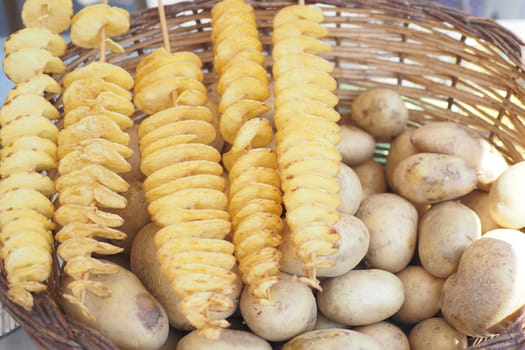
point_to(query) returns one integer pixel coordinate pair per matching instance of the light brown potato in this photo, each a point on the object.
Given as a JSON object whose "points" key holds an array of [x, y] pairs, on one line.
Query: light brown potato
{"points": [[392, 223], [459, 140], [436, 334], [356, 146], [336, 339], [433, 178], [293, 304], [361, 297], [324, 323], [481, 299], [479, 202], [144, 264], [422, 295], [174, 338], [400, 148], [381, 112], [389, 336], [135, 214], [351, 192], [227, 339], [506, 198], [444, 233], [130, 318], [371, 174], [352, 245]]}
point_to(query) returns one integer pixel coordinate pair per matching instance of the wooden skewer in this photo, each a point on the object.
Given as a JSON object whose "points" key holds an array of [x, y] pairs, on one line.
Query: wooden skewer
{"points": [[301, 2], [102, 52], [164, 25]]}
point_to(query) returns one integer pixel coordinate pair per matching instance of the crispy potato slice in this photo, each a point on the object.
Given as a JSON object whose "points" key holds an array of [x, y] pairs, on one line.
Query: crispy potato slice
{"points": [[90, 145], [308, 214], [28, 179], [298, 28], [191, 198], [323, 167], [14, 227], [87, 23], [215, 182], [77, 114], [54, 15], [232, 18], [90, 88], [252, 134], [308, 151], [295, 12], [294, 110], [76, 215], [259, 157], [241, 69], [244, 89], [232, 45], [27, 105], [23, 65], [106, 100], [27, 160], [88, 194], [108, 72], [221, 64], [314, 195], [176, 154], [93, 126], [201, 231], [79, 266], [328, 184], [25, 214], [28, 125], [165, 142], [253, 191], [256, 206], [160, 95], [171, 70], [74, 247], [327, 130], [237, 114], [302, 137], [27, 198], [30, 143], [103, 155], [234, 29], [222, 7], [92, 174], [302, 76], [297, 93], [74, 229], [167, 216], [28, 255], [37, 85], [203, 131], [299, 44], [174, 114], [294, 60], [181, 170], [192, 279], [160, 57], [37, 38], [255, 175]]}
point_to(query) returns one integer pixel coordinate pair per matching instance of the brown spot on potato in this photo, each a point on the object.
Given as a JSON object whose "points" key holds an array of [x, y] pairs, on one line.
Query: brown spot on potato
{"points": [[148, 310]]}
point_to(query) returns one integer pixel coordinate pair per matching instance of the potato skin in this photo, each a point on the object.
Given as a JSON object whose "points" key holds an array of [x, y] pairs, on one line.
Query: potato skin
{"points": [[506, 203], [444, 233], [400, 148], [227, 339], [392, 224], [371, 174], [353, 298], [422, 295], [353, 245], [131, 318], [293, 304], [459, 140], [479, 202], [356, 146], [144, 263], [335, 339], [351, 192], [436, 333], [389, 336], [381, 112], [488, 286], [433, 178]]}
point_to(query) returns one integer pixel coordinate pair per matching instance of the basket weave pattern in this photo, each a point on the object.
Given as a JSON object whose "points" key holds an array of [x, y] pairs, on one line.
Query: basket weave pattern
{"points": [[448, 66]]}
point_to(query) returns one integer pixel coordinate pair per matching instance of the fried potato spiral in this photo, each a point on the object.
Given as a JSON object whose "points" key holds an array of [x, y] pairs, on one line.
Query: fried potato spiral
{"points": [[184, 185], [29, 138], [254, 196], [307, 133]]}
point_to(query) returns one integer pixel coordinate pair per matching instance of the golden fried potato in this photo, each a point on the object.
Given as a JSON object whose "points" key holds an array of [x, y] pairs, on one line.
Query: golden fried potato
{"points": [[54, 15], [37, 38], [35, 86], [26, 105], [101, 70], [24, 64]]}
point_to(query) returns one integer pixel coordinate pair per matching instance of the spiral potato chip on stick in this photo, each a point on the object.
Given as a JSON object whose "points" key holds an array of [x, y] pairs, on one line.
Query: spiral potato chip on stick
{"points": [[29, 144], [92, 151], [307, 134], [255, 199]]}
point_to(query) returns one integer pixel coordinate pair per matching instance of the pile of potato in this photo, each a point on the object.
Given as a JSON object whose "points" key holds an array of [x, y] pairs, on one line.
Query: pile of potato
{"points": [[430, 252]]}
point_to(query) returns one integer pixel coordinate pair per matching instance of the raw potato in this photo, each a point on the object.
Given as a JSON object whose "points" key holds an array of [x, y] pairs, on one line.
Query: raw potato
{"points": [[361, 297], [507, 206], [436, 334], [351, 192], [333, 339], [444, 233], [353, 246], [400, 148], [227, 339], [371, 174], [293, 305], [381, 112], [174, 338], [145, 265], [324, 323], [392, 223], [389, 336], [356, 146], [432, 178], [131, 318], [422, 295], [459, 140], [479, 202], [482, 298]]}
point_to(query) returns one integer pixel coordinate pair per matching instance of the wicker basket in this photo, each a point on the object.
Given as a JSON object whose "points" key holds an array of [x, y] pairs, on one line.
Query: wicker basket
{"points": [[448, 65]]}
